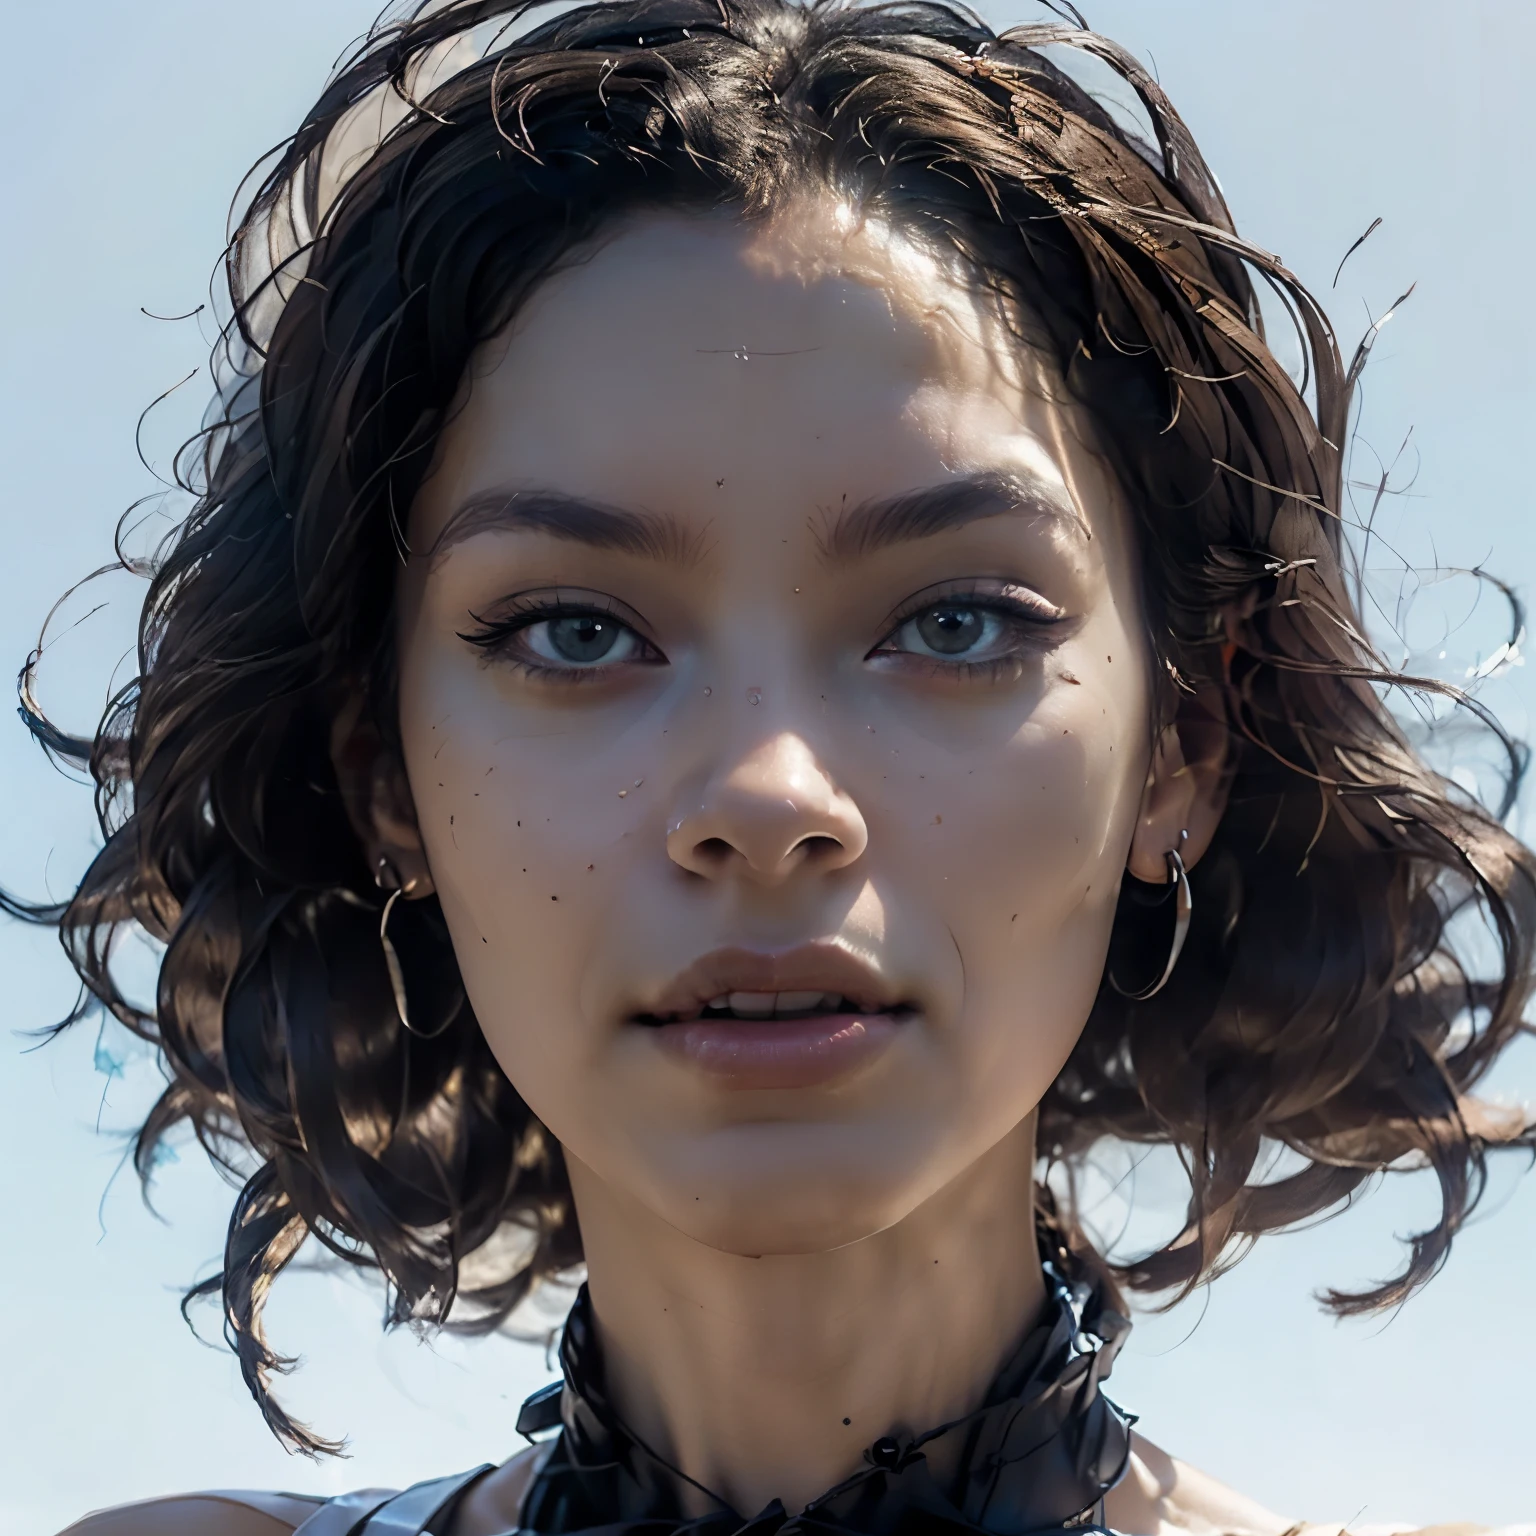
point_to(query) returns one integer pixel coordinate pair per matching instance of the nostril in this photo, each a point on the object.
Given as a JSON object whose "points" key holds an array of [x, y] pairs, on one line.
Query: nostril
{"points": [[714, 849], [819, 847]]}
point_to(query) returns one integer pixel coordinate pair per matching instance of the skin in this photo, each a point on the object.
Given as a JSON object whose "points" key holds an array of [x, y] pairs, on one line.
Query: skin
{"points": [[772, 756], [778, 766]]}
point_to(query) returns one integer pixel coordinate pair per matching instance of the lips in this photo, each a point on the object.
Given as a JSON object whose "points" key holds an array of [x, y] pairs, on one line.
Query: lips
{"points": [[810, 980], [799, 1019]]}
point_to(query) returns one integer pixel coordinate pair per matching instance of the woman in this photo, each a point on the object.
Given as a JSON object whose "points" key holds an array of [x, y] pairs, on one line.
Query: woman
{"points": [[763, 658]]}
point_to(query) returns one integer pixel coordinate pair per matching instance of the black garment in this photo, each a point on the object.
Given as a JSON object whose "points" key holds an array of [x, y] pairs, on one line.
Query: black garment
{"points": [[1039, 1454], [1037, 1457]]}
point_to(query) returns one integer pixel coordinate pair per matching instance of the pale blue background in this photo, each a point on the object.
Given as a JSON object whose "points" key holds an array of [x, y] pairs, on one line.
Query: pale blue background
{"points": [[124, 130]]}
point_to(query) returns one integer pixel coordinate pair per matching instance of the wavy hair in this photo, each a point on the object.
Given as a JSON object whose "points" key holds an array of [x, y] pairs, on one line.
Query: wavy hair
{"points": [[457, 157]]}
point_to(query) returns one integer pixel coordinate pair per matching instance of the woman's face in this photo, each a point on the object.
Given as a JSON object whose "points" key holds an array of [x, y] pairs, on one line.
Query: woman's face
{"points": [[775, 705]]}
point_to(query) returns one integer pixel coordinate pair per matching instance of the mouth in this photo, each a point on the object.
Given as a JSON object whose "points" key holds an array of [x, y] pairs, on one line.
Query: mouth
{"points": [[811, 980], [758, 1007], [794, 1019]]}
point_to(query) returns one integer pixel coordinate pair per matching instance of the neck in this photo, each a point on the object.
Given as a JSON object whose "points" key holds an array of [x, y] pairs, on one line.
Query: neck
{"points": [[766, 1378]]}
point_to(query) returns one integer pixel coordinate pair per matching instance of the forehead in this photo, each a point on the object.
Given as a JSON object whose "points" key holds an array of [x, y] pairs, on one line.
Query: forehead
{"points": [[694, 364]]}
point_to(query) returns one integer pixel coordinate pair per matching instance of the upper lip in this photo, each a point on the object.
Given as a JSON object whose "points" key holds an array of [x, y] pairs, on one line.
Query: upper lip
{"points": [[825, 967]]}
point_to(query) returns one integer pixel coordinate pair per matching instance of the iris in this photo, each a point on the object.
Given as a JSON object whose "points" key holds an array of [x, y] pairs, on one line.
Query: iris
{"points": [[583, 637], [951, 631]]}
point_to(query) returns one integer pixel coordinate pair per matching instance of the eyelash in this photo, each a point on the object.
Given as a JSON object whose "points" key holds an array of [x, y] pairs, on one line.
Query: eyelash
{"points": [[497, 638], [1031, 616]]}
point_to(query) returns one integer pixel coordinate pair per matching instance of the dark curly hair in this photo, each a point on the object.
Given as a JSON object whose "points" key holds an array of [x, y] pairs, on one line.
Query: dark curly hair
{"points": [[453, 161]]}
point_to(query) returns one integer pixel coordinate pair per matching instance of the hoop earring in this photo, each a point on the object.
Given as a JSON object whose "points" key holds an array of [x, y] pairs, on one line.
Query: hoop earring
{"points": [[1183, 908], [386, 872]]}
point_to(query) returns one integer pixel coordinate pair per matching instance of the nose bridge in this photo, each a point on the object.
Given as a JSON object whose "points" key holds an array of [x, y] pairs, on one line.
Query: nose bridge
{"points": [[766, 806]]}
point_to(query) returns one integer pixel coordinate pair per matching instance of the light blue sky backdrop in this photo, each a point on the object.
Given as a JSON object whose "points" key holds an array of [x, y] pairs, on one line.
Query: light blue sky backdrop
{"points": [[126, 129]]}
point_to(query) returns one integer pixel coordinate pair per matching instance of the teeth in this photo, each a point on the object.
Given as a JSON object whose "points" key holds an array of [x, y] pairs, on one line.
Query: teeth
{"points": [[764, 1005], [798, 1002]]}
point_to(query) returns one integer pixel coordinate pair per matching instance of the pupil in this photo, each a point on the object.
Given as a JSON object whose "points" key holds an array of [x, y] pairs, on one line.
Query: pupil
{"points": [[582, 637], [950, 631]]}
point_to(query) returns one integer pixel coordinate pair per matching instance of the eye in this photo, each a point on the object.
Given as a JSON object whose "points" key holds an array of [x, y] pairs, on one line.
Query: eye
{"points": [[581, 640], [971, 628], [555, 637]]}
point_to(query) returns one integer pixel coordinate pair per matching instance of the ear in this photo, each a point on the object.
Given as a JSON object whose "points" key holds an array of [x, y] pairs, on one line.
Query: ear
{"points": [[1186, 790], [377, 795]]}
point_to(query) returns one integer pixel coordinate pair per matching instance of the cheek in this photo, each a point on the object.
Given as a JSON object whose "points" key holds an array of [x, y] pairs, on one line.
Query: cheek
{"points": [[525, 832], [1029, 856]]}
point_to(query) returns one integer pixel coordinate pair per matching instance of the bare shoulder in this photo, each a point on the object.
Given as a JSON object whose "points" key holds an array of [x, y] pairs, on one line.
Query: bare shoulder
{"points": [[495, 1503], [201, 1514], [1162, 1496]]}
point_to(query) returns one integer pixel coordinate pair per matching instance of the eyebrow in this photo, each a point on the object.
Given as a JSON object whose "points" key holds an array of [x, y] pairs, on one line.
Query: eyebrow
{"points": [[871, 525], [651, 536], [850, 533]]}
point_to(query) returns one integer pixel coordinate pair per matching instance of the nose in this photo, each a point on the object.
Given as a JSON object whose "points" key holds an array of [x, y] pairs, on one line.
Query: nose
{"points": [[767, 815]]}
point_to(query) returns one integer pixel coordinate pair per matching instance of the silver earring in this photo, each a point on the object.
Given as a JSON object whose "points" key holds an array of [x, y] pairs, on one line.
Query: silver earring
{"points": [[1183, 908], [387, 878]]}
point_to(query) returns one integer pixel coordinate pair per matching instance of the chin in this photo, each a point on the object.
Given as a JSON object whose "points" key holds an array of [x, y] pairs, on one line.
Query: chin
{"points": [[787, 1189]]}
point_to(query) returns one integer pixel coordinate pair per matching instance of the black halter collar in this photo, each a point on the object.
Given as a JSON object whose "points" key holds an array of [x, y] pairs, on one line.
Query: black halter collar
{"points": [[1038, 1455]]}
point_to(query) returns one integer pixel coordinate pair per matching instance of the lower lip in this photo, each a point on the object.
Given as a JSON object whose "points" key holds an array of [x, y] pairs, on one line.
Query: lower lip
{"points": [[780, 1053]]}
